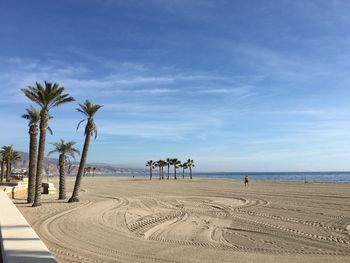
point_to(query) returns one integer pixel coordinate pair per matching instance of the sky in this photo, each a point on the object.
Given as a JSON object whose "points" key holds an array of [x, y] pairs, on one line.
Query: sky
{"points": [[234, 85]]}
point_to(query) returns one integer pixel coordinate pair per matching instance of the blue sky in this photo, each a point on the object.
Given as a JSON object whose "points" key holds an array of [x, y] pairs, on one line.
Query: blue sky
{"points": [[235, 85]]}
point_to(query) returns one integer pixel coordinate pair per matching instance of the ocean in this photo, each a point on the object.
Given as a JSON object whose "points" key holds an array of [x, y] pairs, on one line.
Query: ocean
{"points": [[279, 176]]}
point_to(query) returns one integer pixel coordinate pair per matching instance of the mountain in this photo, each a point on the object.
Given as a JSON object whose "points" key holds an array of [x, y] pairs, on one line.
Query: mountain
{"points": [[51, 167]]}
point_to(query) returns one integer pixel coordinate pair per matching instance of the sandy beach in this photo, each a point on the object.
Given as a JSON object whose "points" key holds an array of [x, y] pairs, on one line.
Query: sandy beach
{"points": [[200, 220]]}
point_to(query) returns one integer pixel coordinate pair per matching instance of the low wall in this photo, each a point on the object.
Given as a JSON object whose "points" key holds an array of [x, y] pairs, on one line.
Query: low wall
{"points": [[15, 191], [19, 242]]}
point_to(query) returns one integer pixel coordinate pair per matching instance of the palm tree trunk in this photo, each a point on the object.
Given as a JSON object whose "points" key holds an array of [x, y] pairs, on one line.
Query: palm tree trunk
{"points": [[183, 173], [150, 172], [33, 147], [190, 172], [44, 120], [159, 172], [2, 169], [162, 173], [77, 184], [62, 190], [175, 172], [8, 169], [168, 171]]}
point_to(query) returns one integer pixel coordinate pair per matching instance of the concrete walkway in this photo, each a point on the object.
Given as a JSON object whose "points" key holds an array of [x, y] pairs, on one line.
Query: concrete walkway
{"points": [[19, 242]]}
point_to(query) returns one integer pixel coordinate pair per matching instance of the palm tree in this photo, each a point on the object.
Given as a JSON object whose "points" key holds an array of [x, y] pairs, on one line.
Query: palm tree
{"points": [[33, 117], [176, 162], [157, 164], [2, 160], [150, 163], [168, 162], [163, 163], [46, 97], [183, 166], [10, 157], [6, 152], [160, 164], [93, 171], [89, 110], [190, 164], [14, 157], [69, 167], [64, 150]]}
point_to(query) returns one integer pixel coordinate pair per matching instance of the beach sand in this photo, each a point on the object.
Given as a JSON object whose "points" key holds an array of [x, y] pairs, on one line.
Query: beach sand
{"points": [[199, 220]]}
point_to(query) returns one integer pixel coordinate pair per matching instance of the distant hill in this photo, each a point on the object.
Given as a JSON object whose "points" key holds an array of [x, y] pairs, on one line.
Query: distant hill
{"points": [[51, 167]]}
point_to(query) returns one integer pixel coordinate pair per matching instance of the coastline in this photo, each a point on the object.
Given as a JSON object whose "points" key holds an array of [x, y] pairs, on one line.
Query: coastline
{"points": [[201, 220]]}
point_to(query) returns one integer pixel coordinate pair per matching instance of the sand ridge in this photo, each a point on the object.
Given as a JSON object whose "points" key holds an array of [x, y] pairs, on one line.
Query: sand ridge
{"points": [[204, 220]]}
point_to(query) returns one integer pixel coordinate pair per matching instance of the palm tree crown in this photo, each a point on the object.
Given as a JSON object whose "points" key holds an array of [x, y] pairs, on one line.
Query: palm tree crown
{"points": [[65, 148], [150, 163], [15, 157], [48, 97], [89, 109], [32, 115]]}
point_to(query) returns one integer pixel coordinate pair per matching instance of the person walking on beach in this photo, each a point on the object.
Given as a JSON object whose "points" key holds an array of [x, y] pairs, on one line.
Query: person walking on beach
{"points": [[246, 180]]}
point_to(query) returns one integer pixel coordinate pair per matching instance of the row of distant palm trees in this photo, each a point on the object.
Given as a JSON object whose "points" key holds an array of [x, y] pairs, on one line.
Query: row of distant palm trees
{"points": [[8, 156], [47, 97], [167, 163]]}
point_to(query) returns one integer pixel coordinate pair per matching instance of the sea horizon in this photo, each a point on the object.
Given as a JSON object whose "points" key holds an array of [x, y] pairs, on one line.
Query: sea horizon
{"points": [[331, 176]]}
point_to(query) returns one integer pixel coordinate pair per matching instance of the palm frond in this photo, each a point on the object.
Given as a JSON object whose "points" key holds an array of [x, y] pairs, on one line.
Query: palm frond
{"points": [[50, 130], [80, 123]]}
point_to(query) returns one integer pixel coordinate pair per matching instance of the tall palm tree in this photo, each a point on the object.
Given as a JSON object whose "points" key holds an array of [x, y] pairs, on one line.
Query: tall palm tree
{"points": [[65, 150], [190, 164], [47, 97], [89, 110], [183, 166], [176, 162], [168, 162], [150, 164], [33, 117]]}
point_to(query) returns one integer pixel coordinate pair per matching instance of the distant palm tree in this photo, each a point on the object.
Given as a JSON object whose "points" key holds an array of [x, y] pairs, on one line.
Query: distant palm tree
{"points": [[64, 150], [10, 156], [190, 164], [159, 165], [93, 171], [33, 117], [183, 166], [163, 163], [6, 152], [70, 167], [46, 97], [14, 157], [89, 110], [2, 167], [176, 162], [150, 164], [168, 162]]}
